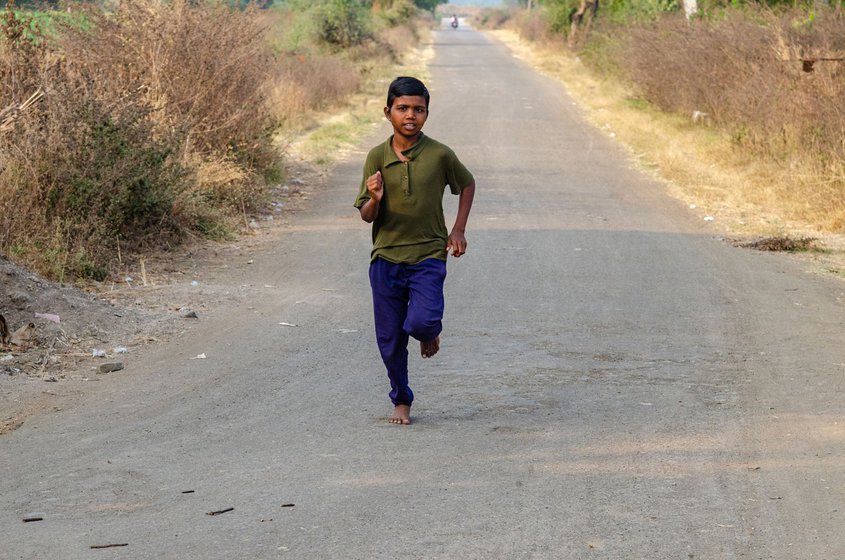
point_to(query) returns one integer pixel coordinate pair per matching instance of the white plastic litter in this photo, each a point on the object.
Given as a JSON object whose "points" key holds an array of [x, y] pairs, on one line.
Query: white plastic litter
{"points": [[48, 317]]}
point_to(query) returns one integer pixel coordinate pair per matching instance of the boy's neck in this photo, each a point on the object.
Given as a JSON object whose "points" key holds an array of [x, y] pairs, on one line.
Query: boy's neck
{"points": [[401, 143]]}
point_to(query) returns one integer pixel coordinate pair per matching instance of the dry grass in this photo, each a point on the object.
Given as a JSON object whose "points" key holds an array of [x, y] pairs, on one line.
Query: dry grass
{"points": [[310, 82], [204, 68], [335, 133], [703, 166], [159, 119], [162, 118], [747, 73], [142, 106]]}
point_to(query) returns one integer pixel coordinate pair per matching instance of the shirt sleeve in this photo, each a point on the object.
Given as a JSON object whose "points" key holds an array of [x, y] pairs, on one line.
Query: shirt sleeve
{"points": [[457, 175], [370, 166]]}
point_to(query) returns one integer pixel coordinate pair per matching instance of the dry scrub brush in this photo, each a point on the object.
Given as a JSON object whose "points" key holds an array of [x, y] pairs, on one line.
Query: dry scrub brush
{"points": [[749, 73], [154, 122], [205, 71], [158, 117], [329, 49], [309, 82]]}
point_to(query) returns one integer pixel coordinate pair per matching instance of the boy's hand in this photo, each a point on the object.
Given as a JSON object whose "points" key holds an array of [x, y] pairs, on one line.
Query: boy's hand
{"points": [[457, 243], [375, 186]]}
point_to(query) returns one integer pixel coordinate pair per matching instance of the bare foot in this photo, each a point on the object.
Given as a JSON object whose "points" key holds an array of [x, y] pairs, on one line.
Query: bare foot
{"points": [[401, 414], [430, 348]]}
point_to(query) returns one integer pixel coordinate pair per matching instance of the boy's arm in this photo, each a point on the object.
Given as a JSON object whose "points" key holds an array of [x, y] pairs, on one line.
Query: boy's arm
{"points": [[457, 242], [375, 186]]}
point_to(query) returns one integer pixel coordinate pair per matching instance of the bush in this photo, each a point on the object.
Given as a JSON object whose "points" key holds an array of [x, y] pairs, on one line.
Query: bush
{"points": [[748, 74], [534, 26], [342, 23], [774, 80], [308, 82], [493, 18], [142, 109], [156, 118], [400, 13]]}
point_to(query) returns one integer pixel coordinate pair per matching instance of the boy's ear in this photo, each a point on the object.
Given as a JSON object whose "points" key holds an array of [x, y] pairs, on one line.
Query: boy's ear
{"points": [[387, 112]]}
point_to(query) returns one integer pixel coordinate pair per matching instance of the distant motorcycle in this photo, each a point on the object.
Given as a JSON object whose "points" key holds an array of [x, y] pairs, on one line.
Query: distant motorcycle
{"points": [[455, 22]]}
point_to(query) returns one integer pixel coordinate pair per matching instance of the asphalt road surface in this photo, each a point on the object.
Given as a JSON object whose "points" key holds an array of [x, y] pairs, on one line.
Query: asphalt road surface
{"points": [[614, 382]]}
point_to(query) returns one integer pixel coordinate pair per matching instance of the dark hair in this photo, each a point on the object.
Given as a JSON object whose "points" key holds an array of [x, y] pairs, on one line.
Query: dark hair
{"points": [[406, 85]]}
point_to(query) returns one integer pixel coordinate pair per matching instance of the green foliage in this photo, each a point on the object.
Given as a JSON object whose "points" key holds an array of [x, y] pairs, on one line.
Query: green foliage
{"points": [[342, 23], [81, 265], [336, 24], [559, 12], [296, 33], [116, 180], [400, 12], [429, 5], [35, 25]]}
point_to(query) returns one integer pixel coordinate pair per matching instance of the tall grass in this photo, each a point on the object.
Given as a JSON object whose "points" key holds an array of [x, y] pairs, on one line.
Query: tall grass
{"points": [[157, 118], [772, 80], [141, 106], [327, 49]]}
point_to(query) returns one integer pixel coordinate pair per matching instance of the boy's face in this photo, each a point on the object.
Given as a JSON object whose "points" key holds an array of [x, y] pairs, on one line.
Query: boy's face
{"points": [[407, 115]]}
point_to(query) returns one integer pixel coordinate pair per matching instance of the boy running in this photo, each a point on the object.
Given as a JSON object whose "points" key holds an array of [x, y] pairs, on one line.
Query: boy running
{"points": [[402, 196]]}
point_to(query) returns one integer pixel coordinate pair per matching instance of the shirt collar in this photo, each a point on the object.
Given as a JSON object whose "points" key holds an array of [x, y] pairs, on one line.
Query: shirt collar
{"points": [[411, 153]]}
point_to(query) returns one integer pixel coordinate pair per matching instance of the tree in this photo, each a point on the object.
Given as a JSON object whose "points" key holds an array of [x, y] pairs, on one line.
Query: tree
{"points": [[429, 5], [582, 18]]}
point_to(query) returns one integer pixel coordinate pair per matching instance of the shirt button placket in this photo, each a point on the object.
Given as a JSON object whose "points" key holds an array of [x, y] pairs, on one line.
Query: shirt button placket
{"points": [[406, 185]]}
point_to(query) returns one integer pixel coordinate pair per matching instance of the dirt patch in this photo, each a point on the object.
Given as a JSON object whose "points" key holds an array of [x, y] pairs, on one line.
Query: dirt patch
{"points": [[781, 244], [152, 299]]}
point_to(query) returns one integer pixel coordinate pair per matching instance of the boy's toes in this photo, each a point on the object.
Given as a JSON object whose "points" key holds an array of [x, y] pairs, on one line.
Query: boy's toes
{"points": [[401, 414], [430, 347]]}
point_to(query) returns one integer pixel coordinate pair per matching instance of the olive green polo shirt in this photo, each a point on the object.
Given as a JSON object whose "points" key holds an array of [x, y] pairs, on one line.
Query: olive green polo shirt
{"points": [[410, 226]]}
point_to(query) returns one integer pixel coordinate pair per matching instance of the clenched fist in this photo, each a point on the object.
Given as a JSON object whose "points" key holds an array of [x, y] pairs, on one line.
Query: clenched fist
{"points": [[375, 186]]}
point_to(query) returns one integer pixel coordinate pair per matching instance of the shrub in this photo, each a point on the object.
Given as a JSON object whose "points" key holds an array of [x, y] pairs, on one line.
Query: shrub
{"points": [[308, 82], [747, 74], [203, 66], [400, 13], [342, 23], [534, 26], [773, 79], [142, 107], [493, 18]]}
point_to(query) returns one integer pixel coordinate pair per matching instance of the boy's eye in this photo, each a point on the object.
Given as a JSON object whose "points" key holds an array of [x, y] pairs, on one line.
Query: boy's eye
{"points": [[420, 109]]}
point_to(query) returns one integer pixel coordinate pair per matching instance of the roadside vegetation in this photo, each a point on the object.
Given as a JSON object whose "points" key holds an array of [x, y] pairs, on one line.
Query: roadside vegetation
{"points": [[127, 126], [740, 104]]}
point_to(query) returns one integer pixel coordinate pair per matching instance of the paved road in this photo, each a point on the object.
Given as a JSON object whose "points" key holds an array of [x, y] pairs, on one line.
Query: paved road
{"points": [[614, 382]]}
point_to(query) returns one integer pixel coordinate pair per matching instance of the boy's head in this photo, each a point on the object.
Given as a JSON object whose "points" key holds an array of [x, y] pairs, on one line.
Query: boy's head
{"points": [[406, 85]]}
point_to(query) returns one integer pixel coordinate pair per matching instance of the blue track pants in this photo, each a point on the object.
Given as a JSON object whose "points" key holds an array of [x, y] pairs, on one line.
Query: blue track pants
{"points": [[407, 301]]}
